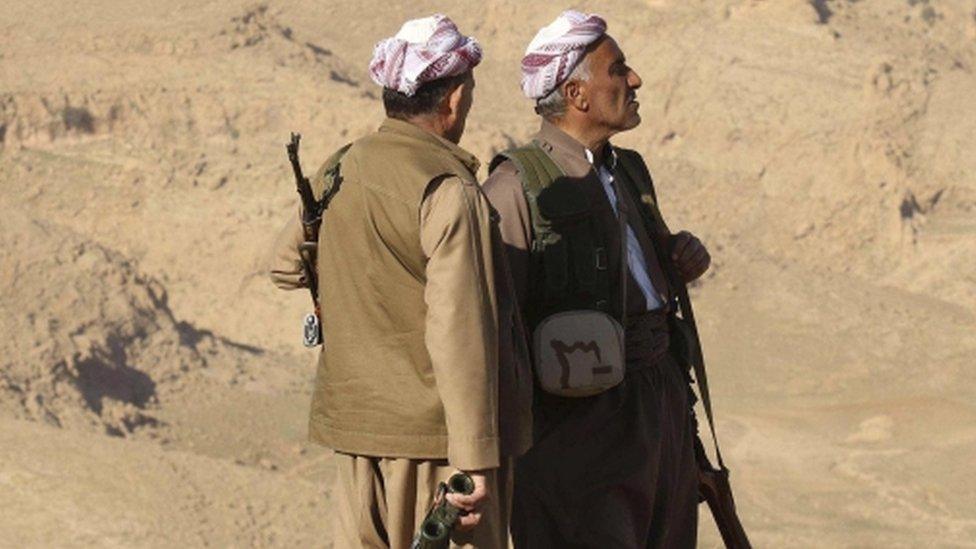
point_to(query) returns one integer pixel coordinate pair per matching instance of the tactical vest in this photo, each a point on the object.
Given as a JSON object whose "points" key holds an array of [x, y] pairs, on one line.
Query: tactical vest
{"points": [[568, 258]]}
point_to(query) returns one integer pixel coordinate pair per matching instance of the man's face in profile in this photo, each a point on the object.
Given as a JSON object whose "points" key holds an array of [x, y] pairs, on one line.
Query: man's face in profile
{"points": [[611, 88]]}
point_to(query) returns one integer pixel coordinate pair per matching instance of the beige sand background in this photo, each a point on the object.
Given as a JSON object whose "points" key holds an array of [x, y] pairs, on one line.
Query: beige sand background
{"points": [[153, 390]]}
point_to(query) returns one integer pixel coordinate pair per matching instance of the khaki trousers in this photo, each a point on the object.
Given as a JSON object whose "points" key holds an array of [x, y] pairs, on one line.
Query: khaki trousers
{"points": [[380, 502]]}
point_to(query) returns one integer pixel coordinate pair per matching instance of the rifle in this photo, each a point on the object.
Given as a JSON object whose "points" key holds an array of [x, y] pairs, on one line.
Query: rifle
{"points": [[435, 530], [714, 489], [713, 483], [312, 211]]}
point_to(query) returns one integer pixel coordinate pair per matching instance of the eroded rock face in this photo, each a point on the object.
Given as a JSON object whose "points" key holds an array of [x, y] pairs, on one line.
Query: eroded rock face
{"points": [[89, 338]]}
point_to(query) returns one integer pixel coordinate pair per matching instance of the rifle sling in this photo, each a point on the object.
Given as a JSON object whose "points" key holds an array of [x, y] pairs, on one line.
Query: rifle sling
{"points": [[684, 301], [658, 232]]}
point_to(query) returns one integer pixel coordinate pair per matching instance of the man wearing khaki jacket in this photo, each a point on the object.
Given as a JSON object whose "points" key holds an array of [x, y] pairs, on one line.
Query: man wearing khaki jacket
{"points": [[423, 370]]}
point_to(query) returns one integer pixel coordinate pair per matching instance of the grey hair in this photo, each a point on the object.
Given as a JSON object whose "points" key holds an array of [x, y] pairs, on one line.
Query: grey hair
{"points": [[553, 105]]}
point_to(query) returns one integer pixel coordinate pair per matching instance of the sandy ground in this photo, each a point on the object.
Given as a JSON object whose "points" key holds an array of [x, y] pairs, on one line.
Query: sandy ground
{"points": [[153, 390]]}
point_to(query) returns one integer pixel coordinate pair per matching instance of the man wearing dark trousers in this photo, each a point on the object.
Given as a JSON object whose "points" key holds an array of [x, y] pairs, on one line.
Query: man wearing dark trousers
{"points": [[615, 469]]}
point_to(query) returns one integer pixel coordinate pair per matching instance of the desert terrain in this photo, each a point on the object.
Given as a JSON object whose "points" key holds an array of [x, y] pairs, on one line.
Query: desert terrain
{"points": [[153, 387]]}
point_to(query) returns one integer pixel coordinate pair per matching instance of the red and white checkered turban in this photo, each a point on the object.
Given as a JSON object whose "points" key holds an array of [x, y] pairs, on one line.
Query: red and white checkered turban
{"points": [[424, 50], [557, 49]]}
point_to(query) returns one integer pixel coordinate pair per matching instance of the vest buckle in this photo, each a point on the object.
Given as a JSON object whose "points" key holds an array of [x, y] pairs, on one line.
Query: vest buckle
{"points": [[601, 259]]}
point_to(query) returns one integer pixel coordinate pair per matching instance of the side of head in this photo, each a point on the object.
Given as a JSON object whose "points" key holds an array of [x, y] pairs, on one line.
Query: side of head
{"points": [[578, 76], [426, 74], [600, 93], [443, 104]]}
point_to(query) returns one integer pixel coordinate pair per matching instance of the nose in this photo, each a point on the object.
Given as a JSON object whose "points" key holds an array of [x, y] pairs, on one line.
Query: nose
{"points": [[634, 80]]}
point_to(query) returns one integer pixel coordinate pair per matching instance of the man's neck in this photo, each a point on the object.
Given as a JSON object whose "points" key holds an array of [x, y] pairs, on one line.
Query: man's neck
{"points": [[595, 140], [432, 124]]}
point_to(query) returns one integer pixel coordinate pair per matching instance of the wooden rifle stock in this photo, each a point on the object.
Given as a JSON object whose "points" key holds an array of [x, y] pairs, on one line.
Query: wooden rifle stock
{"points": [[715, 490]]}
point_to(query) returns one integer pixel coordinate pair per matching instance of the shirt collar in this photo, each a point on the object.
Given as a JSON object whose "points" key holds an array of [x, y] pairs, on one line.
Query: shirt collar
{"points": [[610, 161], [403, 127], [567, 144]]}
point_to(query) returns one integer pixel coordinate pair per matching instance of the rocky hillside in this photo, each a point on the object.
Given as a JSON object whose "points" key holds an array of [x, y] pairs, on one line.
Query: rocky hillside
{"points": [[823, 150]]}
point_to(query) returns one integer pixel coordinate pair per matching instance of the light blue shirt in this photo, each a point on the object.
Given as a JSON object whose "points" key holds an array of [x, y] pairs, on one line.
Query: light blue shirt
{"points": [[635, 255]]}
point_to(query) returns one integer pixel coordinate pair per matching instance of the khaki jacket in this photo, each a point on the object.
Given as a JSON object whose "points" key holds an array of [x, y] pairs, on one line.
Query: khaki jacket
{"points": [[411, 309]]}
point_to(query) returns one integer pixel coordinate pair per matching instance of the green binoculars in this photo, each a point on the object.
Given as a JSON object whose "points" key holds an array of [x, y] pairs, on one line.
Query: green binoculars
{"points": [[435, 531]]}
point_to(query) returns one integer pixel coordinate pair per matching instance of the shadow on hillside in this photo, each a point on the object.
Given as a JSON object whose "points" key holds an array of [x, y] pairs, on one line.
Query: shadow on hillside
{"points": [[106, 374]]}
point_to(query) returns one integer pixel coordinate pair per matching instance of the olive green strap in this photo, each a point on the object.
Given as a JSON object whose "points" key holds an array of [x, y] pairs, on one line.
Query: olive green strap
{"points": [[537, 170]]}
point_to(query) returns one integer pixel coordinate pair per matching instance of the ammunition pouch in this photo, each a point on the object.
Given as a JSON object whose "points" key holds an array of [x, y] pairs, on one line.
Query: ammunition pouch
{"points": [[579, 353]]}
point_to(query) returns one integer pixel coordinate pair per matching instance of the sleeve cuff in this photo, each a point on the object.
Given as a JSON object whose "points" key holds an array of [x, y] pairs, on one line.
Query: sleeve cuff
{"points": [[474, 454]]}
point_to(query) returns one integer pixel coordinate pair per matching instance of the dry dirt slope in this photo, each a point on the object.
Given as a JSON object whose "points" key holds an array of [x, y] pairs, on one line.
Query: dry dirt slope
{"points": [[152, 391]]}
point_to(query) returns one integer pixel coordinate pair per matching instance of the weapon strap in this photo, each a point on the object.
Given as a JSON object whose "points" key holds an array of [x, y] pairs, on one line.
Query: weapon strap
{"points": [[699, 366]]}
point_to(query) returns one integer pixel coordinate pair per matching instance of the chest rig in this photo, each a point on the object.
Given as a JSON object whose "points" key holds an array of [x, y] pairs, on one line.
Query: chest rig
{"points": [[569, 264]]}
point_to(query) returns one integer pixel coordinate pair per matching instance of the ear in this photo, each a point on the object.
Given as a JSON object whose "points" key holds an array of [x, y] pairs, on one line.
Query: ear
{"points": [[452, 101], [575, 93]]}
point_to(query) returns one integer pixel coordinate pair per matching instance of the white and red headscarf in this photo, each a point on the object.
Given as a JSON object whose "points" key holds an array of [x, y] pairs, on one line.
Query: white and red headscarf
{"points": [[424, 50], [556, 50]]}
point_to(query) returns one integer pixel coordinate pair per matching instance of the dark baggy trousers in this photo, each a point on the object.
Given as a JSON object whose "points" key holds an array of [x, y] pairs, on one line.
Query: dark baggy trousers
{"points": [[616, 470]]}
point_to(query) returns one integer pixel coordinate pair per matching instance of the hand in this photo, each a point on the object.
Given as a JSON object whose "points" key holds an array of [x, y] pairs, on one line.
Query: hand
{"points": [[471, 503], [689, 255]]}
